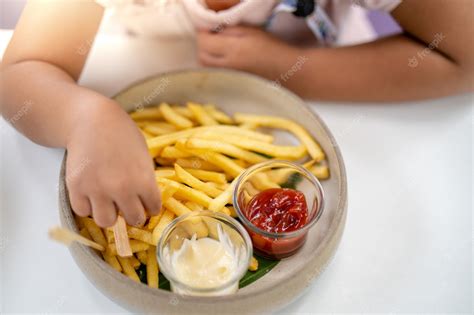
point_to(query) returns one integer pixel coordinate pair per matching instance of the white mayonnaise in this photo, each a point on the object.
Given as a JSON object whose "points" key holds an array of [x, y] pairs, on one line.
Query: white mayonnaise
{"points": [[206, 263]]}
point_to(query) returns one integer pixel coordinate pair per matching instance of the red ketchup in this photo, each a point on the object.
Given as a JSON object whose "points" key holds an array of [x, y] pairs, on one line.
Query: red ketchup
{"points": [[277, 210]]}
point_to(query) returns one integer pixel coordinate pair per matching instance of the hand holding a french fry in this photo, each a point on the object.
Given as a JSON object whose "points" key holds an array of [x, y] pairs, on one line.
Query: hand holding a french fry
{"points": [[109, 169]]}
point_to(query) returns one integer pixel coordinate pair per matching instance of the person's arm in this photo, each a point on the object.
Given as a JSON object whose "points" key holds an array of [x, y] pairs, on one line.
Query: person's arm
{"points": [[42, 63], [108, 166], [392, 69]]}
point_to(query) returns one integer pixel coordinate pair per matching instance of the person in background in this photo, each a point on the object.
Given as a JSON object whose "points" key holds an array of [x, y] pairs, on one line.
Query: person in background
{"points": [[41, 65], [433, 57]]}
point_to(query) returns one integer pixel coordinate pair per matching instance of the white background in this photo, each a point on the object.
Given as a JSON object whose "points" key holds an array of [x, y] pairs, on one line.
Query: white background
{"points": [[407, 246]]}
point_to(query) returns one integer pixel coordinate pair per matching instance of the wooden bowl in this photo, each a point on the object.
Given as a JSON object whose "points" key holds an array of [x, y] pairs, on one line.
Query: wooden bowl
{"points": [[231, 91]]}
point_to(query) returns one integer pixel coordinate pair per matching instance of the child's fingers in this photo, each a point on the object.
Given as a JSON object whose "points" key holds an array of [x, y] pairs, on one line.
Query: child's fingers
{"points": [[80, 204], [130, 206], [151, 199], [103, 211], [214, 44], [237, 30], [207, 59]]}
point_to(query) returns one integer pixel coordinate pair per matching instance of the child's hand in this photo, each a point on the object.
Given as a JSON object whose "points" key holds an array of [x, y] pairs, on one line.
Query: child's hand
{"points": [[109, 168], [248, 49]]}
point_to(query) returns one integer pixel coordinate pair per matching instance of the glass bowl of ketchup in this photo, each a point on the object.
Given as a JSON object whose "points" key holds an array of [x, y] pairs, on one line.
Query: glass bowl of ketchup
{"points": [[278, 202]]}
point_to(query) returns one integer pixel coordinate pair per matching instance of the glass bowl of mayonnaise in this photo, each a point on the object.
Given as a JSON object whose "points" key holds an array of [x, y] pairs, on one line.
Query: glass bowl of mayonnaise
{"points": [[204, 253]]}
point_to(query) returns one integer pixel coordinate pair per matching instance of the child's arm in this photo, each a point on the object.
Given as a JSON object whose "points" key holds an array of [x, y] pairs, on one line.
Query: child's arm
{"points": [[392, 69], [108, 165]]}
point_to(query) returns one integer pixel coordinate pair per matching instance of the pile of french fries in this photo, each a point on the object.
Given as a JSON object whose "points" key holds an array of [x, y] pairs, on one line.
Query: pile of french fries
{"points": [[199, 152]]}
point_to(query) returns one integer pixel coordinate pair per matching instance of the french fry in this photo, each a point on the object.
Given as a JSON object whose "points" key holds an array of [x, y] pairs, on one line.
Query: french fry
{"points": [[66, 237], [208, 176], [85, 233], [98, 237], [253, 264], [134, 262], [232, 212], [109, 234], [158, 130], [278, 151], [235, 131], [250, 188], [79, 222], [151, 268], [94, 231], [154, 152], [167, 190], [162, 124], [241, 163], [225, 148], [218, 115], [277, 122], [143, 123], [142, 256], [146, 134], [226, 197], [147, 114], [309, 164], [251, 126], [192, 181], [171, 116], [166, 173], [154, 221], [183, 111], [261, 182], [198, 164], [164, 162], [247, 196], [128, 268], [135, 246], [220, 160], [320, 171], [171, 152], [188, 193], [176, 206], [194, 206], [227, 164], [225, 210], [169, 139], [112, 261], [195, 226], [280, 175], [166, 219], [221, 187], [140, 235], [211, 177], [201, 115], [121, 238]]}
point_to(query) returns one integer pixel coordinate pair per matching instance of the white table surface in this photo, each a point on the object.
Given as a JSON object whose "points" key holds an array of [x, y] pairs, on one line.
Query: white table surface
{"points": [[407, 246]]}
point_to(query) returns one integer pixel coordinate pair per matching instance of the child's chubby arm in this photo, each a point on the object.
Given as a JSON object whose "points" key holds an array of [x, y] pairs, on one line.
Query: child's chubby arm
{"points": [[433, 58], [108, 166]]}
